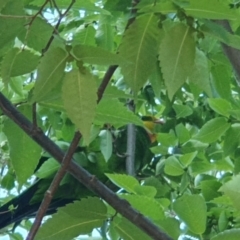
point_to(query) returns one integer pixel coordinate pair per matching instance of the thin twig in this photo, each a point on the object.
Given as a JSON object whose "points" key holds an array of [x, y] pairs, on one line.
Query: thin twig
{"points": [[54, 186], [38, 12], [61, 16]]}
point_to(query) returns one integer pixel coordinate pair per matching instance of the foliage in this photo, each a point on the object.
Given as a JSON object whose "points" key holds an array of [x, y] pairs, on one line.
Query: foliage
{"points": [[172, 66]]}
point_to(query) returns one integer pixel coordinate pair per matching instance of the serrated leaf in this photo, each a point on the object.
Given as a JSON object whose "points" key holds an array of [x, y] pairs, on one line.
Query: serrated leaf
{"points": [[231, 190], [38, 34], [147, 191], [115, 113], [149, 207], [212, 130], [24, 152], [11, 26], [232, 234], [106, 143], [210, 10], [79, 95], [80, 217], [18, 62], [220, 106], [176, 55], [50, 73], [173, 167], [192, 210], [139, 46], [95, 55], [124, 181]]}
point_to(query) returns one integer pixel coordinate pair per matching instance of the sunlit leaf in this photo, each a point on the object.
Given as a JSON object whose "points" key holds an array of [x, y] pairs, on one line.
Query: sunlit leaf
{"points": [[176, 55], [212, 130], [192, 210], [139, 46], [80, 100]]}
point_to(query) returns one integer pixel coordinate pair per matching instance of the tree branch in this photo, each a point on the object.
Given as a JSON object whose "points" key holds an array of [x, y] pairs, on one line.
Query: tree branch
{"points": [[90, 181]]}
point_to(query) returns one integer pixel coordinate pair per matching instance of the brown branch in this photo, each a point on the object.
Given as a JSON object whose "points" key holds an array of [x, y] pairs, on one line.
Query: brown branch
{"points": [[90, 181], [54, 186], [232, 53], [105, 81]]}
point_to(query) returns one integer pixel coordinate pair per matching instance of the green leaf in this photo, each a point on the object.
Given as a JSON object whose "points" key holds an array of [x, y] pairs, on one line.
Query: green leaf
{"points": [[124, 181], [18, 62], [176, 56], [50, 73], [200, 73], [24, 152], [173, 167], [171, 226], [167, 139], [80, 100], [105, 34], [147, 191], [182, 133], [231, 190], [139, 46], [128, 231], [80, 217], [95, 55], [212, 130], [11, 26], [149, 207], [210, 189], [106, 143], [7, 182], [115, 113], [182, 111], [210, 10], [192, 210], [48, 168], [223, 221], [220, 106], [232, 139], [85, 36], [221, 81], [38, 34], [187, 158], [232, 234]]}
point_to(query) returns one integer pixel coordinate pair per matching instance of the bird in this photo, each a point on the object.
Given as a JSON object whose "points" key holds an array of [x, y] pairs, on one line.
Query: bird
{"points": [[26, 204]]}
